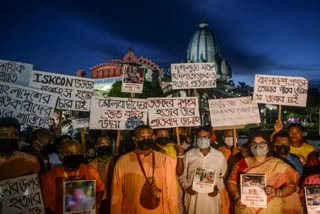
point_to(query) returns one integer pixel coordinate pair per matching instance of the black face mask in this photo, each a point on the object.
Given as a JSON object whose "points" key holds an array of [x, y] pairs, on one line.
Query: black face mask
{"points": [[49, 149], [104, 150], [162, 140], [8, 145], [73, 161], [145, 144], [282, 149]]}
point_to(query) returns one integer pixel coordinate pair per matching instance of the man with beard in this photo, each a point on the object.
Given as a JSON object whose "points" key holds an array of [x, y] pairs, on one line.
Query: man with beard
{"points": [[72, 168], [104, 164], [12, 162], [281, 147], [144, 180]]}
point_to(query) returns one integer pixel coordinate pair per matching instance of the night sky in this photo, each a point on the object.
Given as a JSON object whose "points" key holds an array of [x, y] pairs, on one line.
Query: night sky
{"points": [[280, 37]]}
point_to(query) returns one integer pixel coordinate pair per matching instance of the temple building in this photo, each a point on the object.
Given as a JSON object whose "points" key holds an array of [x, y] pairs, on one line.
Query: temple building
{"points": [[203, 47], [113, 68]]}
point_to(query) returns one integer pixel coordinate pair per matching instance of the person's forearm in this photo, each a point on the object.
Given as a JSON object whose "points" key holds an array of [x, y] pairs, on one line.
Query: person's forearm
{"points": [[180, 166]]}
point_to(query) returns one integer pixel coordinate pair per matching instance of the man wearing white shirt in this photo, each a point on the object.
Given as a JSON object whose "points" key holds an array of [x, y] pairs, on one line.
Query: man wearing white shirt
{"points": [[206, 158]]}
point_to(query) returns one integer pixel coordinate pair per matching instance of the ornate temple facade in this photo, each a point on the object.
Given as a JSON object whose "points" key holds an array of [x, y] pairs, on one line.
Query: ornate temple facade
{"points": [[113, 68]]}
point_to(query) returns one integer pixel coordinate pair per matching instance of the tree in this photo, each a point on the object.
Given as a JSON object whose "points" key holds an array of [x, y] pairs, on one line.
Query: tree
{"points": [[242, 85]]}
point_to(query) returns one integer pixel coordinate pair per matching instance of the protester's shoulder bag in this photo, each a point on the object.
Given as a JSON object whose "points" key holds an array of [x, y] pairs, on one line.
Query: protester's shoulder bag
{"points": [[150, 193]]}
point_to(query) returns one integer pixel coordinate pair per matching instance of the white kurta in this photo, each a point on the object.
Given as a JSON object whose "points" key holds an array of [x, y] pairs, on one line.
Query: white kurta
{"points": [[202, 202]]}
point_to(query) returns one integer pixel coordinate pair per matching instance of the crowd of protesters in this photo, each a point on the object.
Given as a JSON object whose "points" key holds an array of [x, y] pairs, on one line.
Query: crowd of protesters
{"points": [[153, 171]]}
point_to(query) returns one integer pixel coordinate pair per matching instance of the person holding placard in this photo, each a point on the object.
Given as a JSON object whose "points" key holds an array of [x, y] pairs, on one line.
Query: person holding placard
{"points": [[202, 178], [12, 162], [52, 182], [104, 164], [298, 144], [164, 145], [281, 178], [144, 180]]}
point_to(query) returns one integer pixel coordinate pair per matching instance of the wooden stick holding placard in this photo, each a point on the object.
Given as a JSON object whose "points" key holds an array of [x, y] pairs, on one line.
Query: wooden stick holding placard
{"points": [[235, 141], [119, 133], [279, 112], [83, 139], [178, 137]]}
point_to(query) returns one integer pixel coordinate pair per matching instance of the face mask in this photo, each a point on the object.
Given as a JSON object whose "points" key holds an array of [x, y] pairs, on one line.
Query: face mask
{"points": [[8, 145], [282, 149], [259, 150], [104, 150], [145, 144], [228, 141], [203, 143], [162, 140], [73, 161], [49, 149]]}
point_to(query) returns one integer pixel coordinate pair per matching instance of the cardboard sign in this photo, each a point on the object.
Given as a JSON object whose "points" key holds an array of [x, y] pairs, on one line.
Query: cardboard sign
{"points": [[117, 113], [312, 198], [29, 106], [21, 195], [203, 180], [193, 75], [280, 90], [133, 79], [233, 112], [79, 197], [173, 112], [74, 92], [15, 72], [252, 190]]}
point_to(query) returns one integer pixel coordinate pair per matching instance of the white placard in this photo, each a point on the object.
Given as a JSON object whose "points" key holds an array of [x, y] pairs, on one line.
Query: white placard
{"points": [[133, 79], [30, 106], [74, 92], [21, 195], [252, 190], [280, 90], [117, 113], [15, 72], [233, 112], [173, 112], [193, 75], [312, 198], [203, 180]]}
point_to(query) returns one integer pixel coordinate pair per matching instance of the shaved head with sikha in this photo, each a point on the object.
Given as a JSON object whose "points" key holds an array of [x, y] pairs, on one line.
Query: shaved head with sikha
{"points": [[70, 147]]}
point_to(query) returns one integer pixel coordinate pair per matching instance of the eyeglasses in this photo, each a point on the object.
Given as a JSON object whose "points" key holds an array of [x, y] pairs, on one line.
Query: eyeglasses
{"points": [[262, 144]]}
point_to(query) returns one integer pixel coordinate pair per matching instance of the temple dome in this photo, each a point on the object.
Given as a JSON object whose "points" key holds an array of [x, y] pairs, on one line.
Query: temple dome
{"points": [[203, 46]]}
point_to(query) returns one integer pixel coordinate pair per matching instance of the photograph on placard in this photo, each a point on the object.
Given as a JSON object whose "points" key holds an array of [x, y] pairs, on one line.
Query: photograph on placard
{"points": [[79, 195]]}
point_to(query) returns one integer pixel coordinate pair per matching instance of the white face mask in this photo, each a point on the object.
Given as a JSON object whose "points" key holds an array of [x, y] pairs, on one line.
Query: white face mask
{"points": [[228, 141], [203, 143]]}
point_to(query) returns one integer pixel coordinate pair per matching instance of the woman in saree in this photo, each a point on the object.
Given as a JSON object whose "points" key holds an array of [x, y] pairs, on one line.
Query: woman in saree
{"points": [[281, 178]]}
